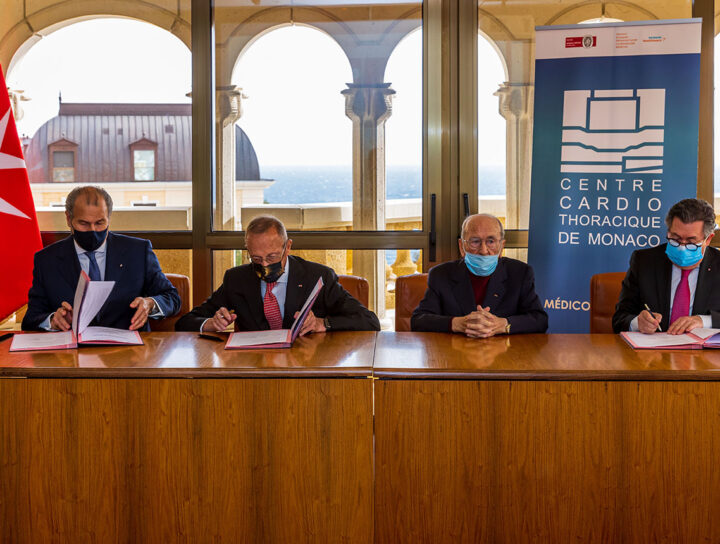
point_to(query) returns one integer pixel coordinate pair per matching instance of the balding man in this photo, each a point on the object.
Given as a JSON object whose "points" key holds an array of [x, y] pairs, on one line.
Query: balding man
{"points": [[482, 294], [268, 292], [141, 290]]}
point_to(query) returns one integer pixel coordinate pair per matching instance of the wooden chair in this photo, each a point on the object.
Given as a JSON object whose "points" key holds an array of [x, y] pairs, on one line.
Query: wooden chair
{"points": [[604, 294], [409, 291], [182, 284], [358, 287]]}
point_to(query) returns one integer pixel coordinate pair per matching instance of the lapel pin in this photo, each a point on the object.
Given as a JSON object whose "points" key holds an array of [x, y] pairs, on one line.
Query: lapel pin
{"points": [[299, 284], [120, 265], [495, 295]]}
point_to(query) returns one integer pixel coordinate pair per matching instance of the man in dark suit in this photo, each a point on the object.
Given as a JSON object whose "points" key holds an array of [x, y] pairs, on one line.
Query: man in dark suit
{"points": [[678, 281], [268, 292], [141, 289], [482, 294]]}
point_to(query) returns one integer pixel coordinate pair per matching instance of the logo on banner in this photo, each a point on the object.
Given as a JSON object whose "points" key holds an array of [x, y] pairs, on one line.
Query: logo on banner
{"points": [[613, 131], [580, 41]]}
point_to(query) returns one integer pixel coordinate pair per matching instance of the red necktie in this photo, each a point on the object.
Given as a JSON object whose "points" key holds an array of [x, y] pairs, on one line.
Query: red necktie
{"points": [[681, 302], [271, 308]]}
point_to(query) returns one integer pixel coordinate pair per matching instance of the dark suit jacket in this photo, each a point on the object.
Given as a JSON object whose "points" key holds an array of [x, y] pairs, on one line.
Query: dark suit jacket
{"points": [[130, 262], [240, 291], [510, 294], [648, 281]]}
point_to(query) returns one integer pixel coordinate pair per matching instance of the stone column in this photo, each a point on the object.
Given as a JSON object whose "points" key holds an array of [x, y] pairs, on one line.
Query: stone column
{"points": [[228, 109], [368, 107], [515, 105]]}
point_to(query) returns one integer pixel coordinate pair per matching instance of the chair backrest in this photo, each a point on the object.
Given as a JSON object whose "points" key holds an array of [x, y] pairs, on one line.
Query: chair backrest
{"points": [[358, 287], [409, 291], [182, 284], [604, 294]]}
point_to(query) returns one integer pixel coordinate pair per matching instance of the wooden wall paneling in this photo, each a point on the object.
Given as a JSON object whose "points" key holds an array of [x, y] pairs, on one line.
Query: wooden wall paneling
{"points": [[535, 461], [161, 460]]}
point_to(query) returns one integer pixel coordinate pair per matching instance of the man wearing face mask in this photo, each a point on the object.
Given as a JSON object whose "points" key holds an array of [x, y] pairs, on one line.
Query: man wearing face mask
{"points": [[141, 290], [269, 292], [678, 281], [482, 294]]}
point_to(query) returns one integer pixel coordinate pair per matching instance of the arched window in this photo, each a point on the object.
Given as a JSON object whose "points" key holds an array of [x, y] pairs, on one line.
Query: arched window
{"points": [[294, 116], [492, 146], [109, 107]]}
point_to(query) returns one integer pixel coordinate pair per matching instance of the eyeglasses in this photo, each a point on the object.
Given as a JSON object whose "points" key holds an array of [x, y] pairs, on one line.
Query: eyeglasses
{"points": [[270, 259], [691, 246], [476, 243]]}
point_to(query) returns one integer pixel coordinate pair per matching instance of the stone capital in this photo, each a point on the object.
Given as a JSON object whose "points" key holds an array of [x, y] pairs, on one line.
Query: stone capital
{"points": [[368, 102], [514, 99], [228, 104]]}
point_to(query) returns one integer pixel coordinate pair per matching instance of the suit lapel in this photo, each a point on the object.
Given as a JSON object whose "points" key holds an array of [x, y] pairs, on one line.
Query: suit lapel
{"points": [[70, 265], [462, 288], [704, 282], [251, 293], [295, 293], [664, 280], [496, 287], [114, 266]]}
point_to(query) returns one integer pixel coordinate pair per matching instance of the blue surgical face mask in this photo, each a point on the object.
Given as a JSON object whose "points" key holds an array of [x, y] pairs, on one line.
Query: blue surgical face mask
{"points": [[682, 256], [481, 265], [89, 240]]}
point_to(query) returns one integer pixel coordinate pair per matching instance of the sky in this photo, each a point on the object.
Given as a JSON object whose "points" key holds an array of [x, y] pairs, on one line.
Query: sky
{"points": [[293, 76]]}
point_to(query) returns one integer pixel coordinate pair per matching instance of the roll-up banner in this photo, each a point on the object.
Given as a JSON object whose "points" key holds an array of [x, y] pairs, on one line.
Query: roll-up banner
{"points": [[615, 144]]}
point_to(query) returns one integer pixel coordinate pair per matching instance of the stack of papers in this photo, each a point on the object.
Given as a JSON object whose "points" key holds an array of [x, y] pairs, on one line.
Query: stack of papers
{"points": [[89, 299], [279, 338], [696, 339]]}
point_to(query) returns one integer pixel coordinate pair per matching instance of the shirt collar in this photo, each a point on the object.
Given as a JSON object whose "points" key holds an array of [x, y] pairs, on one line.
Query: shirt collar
{"points": [[81, 251], [286, 272]]}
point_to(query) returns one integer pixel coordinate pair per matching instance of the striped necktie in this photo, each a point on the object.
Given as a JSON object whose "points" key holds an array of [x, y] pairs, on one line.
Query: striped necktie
{"points": [[93, 269], [271, 308]]}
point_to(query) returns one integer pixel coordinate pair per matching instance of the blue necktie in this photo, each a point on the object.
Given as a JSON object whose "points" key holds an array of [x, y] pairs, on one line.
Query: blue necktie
{"points": [[94, 270]]}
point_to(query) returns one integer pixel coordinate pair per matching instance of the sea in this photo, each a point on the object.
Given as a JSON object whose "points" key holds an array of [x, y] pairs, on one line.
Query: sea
{"points": [[317, 184], [320, 184]]}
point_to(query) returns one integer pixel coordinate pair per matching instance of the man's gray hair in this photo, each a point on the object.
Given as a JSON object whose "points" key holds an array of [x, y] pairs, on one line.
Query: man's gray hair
{"points": [[691, 210], [264, 223], [470, 217], [92, 195]]}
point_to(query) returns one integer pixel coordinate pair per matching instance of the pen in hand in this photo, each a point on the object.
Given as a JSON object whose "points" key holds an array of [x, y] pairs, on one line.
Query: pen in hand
{"points": [[651, 313]]}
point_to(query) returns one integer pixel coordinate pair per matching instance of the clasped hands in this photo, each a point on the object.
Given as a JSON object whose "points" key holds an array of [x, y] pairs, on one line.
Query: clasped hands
{"points": [[479, 324], [649, 323], [223, 317], [62, 318]]}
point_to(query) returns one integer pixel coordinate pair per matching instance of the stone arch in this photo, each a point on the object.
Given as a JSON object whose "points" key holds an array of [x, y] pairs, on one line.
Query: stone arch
{"points": [[254, 39], [493, 28], [365, 67], [498, 50], [579, 12], [43, 22]]}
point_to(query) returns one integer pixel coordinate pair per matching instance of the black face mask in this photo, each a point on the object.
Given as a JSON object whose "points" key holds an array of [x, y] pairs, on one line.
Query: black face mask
{"points": [[89, 240], [270, 273]]}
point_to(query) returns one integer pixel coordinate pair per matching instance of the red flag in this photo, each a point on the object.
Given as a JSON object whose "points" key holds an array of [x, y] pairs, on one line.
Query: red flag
{"points": [[19, 232]]}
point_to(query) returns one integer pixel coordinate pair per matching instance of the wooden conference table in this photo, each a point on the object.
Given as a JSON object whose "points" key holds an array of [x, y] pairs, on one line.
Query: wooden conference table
{"points": [[537, 438]]}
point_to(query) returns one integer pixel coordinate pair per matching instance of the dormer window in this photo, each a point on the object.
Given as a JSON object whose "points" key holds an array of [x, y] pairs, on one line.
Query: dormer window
{"points": [[144, 158], [63, 160]]}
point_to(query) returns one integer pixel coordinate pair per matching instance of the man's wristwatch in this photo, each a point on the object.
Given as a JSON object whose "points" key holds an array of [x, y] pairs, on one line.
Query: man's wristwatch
{"points": [[507, 328], [326, 323]]}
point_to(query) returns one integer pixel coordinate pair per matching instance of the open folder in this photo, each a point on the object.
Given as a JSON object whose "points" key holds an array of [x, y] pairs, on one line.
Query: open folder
{"points": [[278, 338], [696, 339], [89, 298]]}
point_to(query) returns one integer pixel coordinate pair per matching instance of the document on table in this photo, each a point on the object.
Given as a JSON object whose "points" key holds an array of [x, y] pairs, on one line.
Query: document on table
{"points": [[107, 335], [279, 338], [89, 299], [258, 338], [43, 341]]}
